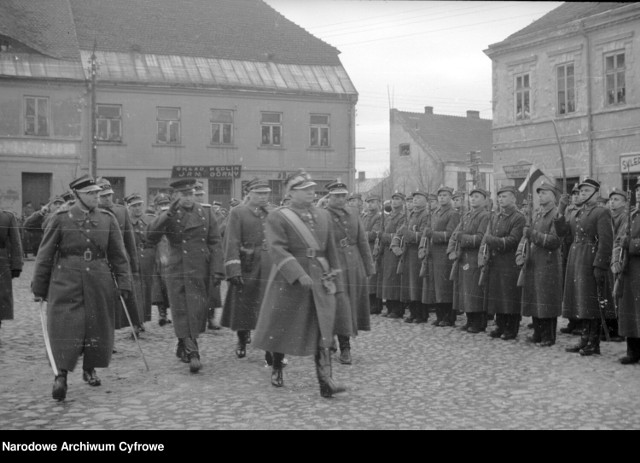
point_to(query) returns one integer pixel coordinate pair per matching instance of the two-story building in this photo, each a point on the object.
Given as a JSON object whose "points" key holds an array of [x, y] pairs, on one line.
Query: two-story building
{"points": [[220, 89], [577, 67]]}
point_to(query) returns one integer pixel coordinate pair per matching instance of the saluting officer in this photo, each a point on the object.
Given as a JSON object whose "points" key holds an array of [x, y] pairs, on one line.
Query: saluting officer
{"points": [[38, 219], [391, 280], [143, 280], [437, 289], [10, 261], [246, 264], [502, 293], [468, 295], [195, 263], [372, 221], [356, 263], [105, 197], [589, 258], [541, 298], [80, 249]]}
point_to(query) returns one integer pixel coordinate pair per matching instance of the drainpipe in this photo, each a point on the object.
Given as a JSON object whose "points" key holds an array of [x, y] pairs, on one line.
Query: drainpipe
{"points": [[589, 113]]}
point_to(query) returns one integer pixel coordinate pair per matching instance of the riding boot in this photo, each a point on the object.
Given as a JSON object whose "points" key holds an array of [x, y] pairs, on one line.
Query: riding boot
{"points": [[374, 308], [162, 315], [241, 348], [59, 391], [192, 353], [584, 338], [538, 330], [323, 370], [277, 376], [593, 345], [345, 350], [438, 320], [501, 326], [633, 352]]}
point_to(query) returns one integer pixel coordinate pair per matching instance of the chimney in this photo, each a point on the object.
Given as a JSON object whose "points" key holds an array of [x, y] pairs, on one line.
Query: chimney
{"points": [[473, 114], [428, 109], [361, 176]]}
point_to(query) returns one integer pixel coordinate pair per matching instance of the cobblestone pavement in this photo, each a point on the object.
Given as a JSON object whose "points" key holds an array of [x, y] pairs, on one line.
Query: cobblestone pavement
{"points": [[403, 376]]}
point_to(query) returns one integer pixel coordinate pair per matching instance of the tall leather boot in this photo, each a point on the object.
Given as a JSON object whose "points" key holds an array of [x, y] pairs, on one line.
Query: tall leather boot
{"points": [[192, 353], [345, 350], [325, 378], [374, 309], [277, 376], [593, 345], [59, 391], [438, 320], [584, 337], [538, 330], [241, 347], [448, 315], [500, 326], [633, 352], [413, 313], [548, 336]]}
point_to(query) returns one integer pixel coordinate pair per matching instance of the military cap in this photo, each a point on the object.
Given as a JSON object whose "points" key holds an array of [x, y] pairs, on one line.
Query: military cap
{"points": [[457, 194], [432, 197], [216, 203], [133, 199], [397, 194], [601, 200], [233, 202], [84, 184], [421, 193], [161, 198], [67, 195], [57, 199], [105, 185], [548, 187], [617, 191], [589, 182], [445, 188], [336, 187], [257, 185], [506, 188], [183, 184], [372, 198], [482, 191], [199, 187], [299, 181]]}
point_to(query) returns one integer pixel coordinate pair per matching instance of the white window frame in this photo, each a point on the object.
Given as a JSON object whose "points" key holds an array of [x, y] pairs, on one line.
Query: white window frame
{"points": [[36, 118], [522, 95], [566, 89], [218, 126], [270, 131], [109, 122], [319, 131], [168, 124], [615, 73]]}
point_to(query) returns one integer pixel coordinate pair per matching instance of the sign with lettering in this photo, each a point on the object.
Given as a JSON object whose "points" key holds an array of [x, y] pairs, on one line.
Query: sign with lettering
{"points": [[206, 172], [517, 170], [629, 163]]}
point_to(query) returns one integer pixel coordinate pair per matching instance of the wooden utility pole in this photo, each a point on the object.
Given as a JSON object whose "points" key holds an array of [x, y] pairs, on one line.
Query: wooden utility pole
{"points": [[93, 162]]}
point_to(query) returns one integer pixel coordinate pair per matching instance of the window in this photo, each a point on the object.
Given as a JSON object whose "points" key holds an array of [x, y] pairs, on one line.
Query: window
{"points": [[319, 130], [462, 181], [221, 127], [566, 89], [168, 125], [271, 128], [614, 78], [36, 116], [5, 45], [109, 123], [405, 149], [522, 97]]}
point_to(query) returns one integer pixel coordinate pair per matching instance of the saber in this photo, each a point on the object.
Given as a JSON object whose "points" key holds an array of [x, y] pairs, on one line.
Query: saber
{"points": [[133, 331], [45, 334], [564, 173]]}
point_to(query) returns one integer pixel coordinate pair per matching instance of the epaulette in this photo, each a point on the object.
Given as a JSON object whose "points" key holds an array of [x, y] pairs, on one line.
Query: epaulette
{"points": [[106, 211]]}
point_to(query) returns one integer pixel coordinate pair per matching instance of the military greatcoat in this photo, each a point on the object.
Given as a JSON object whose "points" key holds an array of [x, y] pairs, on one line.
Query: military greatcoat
{"points": [[10, 259], [245, 255], [390, 277], [373, 227], [541, 295], [295, 320], [437, 287], [146, 253], [356, 262], [502, 294], [195, 257], [591, 246], [629, 305], [73, 273], [468, 295], [412, 234]]}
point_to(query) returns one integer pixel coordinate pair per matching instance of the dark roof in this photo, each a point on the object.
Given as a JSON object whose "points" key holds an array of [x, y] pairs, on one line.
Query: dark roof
{"points": [[248, 30], [566, 13], [451, 137], [45, 26]]}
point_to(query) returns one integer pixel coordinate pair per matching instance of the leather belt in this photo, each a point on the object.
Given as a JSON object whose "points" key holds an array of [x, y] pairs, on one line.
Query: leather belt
{"points": [[87, 255], [310, 253], [344, 242]]}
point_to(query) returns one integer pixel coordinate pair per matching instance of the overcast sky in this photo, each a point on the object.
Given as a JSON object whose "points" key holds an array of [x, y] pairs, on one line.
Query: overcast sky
{"points": [[411, 54]]}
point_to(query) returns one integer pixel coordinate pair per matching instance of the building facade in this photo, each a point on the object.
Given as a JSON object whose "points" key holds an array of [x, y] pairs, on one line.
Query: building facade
{"points": [[216, 89], [577, 67]]}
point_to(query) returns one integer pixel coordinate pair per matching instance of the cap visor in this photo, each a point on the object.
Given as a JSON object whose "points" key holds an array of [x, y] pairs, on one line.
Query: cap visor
{"points": [[339, 191], [261, 190], [304, 185]]}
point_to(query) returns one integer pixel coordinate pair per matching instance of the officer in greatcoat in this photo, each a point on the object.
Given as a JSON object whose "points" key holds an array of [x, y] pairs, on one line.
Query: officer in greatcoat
{"points": [[629, 303], [357, 265], [81, 254], [464, 246], [298, 311], [502, 295], [437, 288], [11, 261], [246, 264], [589, 258], [122, 216], [159, 294], [568, 210], [195, 263], [372, 221], [542, 267], [146, 253], [390, 277], [38, 219]]}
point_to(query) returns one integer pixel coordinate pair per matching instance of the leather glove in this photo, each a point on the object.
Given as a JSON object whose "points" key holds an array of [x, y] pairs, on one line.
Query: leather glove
{"points": [[397, 251], [124, 293], [173, 208], [600, 275], [563, 203], [428, 232], [236, 281], [305, 281], [217, 280], [422, 252], [15, 273], [526, 232]]}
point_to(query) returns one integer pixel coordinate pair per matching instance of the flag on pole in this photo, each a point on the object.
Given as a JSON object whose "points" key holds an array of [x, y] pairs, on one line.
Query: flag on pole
{"points": [[533, 175]]}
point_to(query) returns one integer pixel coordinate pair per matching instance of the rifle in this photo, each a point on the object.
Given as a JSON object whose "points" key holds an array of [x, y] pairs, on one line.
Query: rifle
{"points": [[457, 252], [401, 245], [425, 243], [602, 304], [623, 252], [484, 255], [523, 249]]}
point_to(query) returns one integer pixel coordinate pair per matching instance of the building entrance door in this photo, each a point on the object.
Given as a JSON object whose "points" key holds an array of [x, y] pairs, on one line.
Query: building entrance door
{"points": [[36, 188]]}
